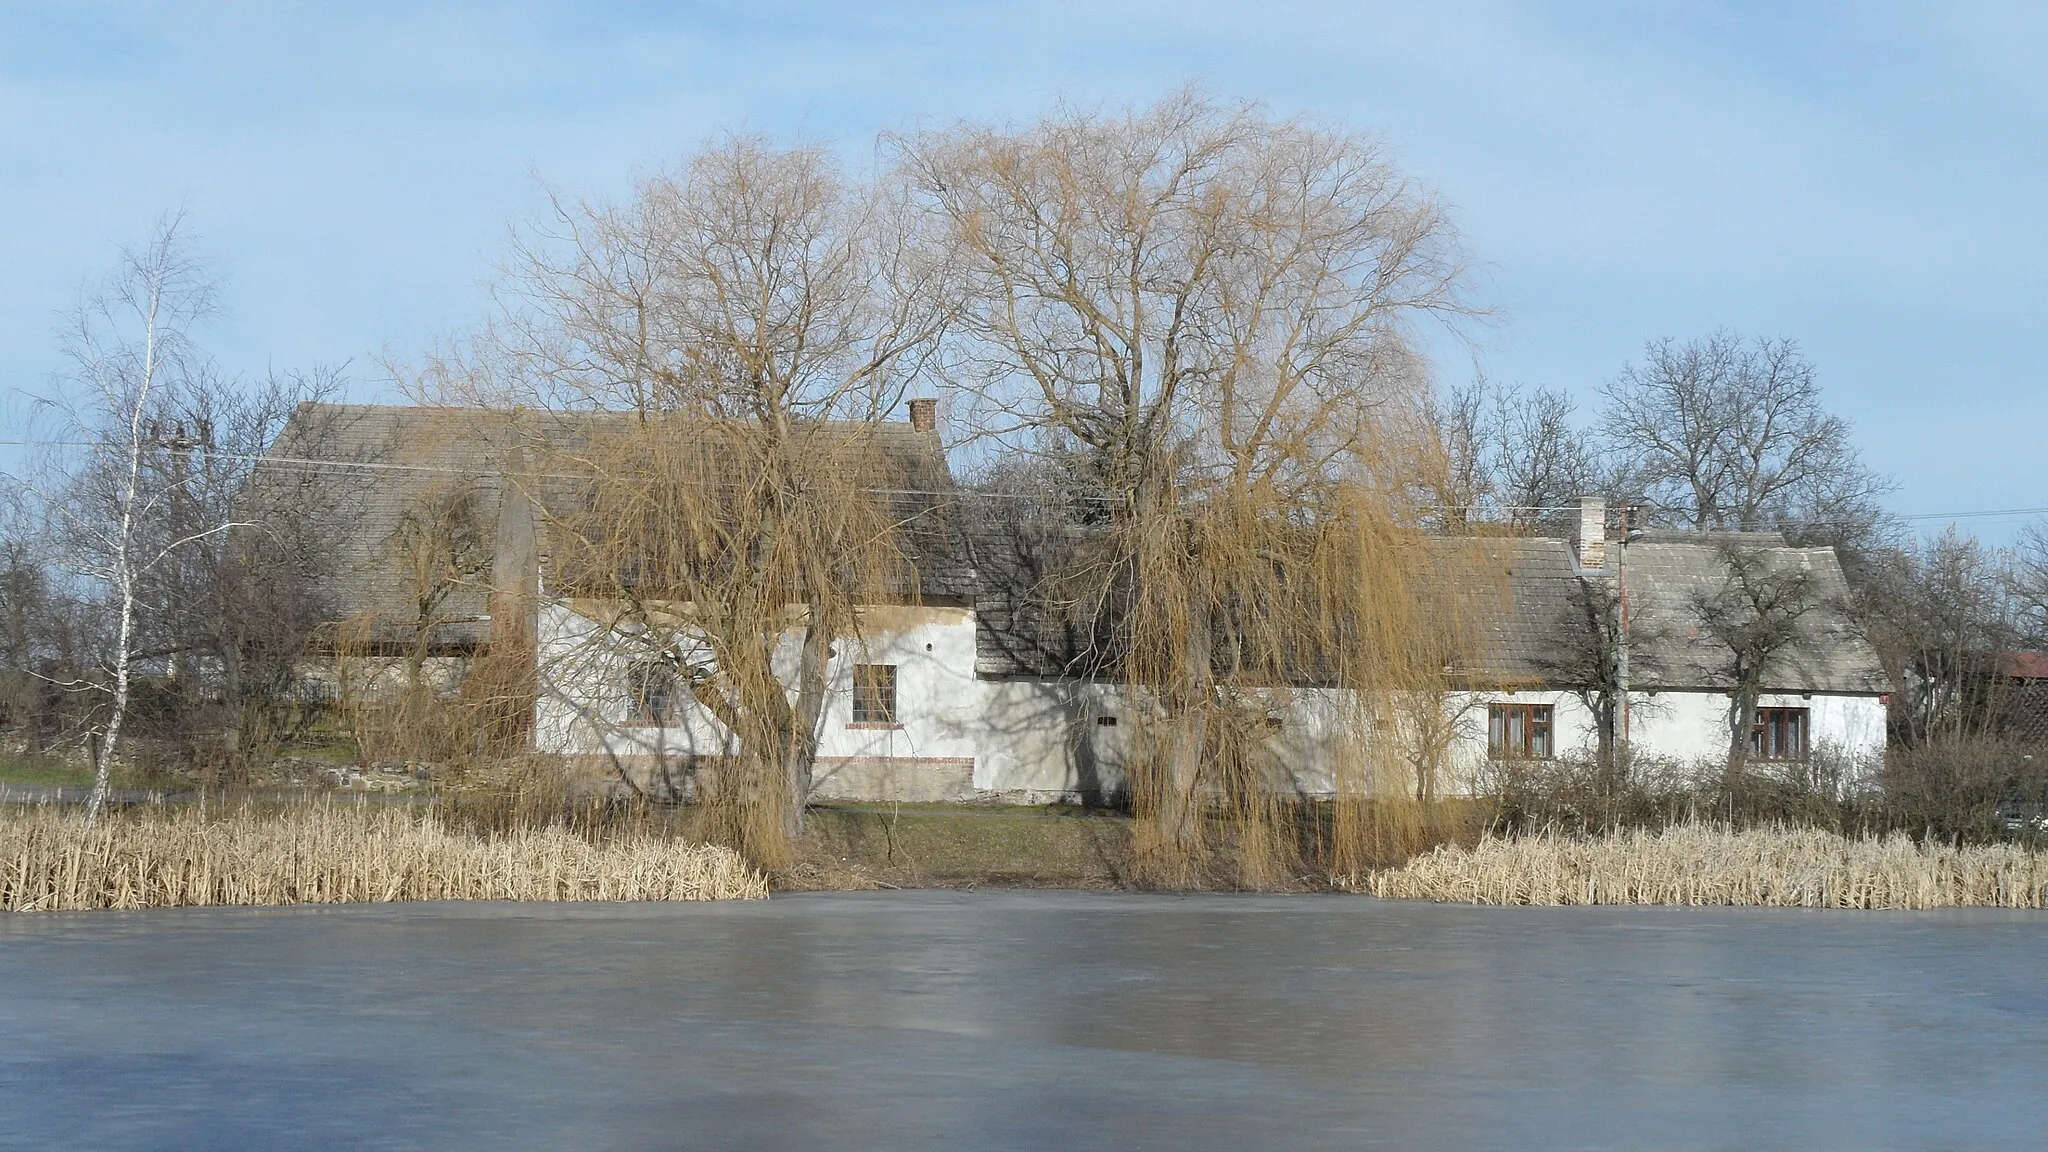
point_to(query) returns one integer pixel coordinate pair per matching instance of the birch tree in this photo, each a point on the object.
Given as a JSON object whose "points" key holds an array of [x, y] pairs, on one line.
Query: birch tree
{"points": [[131, 357]]}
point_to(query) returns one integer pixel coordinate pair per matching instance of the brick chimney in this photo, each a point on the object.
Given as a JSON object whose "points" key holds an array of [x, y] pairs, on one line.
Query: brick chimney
{"points": [[1592, 536], [924, 414]]}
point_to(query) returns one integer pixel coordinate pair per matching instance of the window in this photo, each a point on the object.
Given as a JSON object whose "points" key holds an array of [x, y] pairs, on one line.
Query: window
{"points": [[651, 693], [874, 694], [1780, 734], [1518, 731]]}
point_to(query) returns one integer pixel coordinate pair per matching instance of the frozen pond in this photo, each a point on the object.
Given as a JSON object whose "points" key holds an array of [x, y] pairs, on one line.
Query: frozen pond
{"points": [[1022, 1020]]}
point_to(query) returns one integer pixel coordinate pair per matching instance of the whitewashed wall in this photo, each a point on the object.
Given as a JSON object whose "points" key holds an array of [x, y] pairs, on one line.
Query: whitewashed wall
{"points": [[1693, 726], [1037, 741], [585, 704], [1040, 741], [1573, 733]]}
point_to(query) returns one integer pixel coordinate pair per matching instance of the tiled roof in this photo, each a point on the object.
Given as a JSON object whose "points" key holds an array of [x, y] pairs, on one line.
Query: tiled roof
{"points": [[2023, 665], [1526, 611], [1522, 610], [1670, 577]]}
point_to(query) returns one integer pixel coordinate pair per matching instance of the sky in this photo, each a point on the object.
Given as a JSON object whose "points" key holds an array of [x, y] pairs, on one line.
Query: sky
{"points": [[1864, 178]]}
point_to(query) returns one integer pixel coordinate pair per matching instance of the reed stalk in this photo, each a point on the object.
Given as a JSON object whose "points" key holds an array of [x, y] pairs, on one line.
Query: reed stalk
{"points": [[1703, 864], [53, 859]]}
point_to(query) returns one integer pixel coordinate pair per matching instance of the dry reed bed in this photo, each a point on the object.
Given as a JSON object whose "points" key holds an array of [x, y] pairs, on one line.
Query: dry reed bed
{"points": [[1700, 864], [335, 854]]}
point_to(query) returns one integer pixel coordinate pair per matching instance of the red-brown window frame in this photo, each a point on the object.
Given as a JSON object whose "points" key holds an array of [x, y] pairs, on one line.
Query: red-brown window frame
{"points": [[1767, 737], [1537, 719]]}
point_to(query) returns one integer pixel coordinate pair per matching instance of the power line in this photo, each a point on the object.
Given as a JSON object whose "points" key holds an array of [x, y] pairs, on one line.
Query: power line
{"points": [[326, 463]]}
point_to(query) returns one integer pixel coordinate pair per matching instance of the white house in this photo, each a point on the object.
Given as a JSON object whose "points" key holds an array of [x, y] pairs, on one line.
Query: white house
{"points": [[973, 689]]}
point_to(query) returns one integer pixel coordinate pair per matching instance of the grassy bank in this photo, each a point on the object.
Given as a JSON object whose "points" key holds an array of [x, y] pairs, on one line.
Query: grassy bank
{"points": [[1705, 864], [336, 853], [858, 846], [43, 772]]}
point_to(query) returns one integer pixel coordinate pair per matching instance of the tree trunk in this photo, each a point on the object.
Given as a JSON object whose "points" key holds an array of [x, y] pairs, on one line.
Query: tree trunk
{"points": [[802, 756], [103, 766], [1175, 821], [1741, 721], [1603, 726]]}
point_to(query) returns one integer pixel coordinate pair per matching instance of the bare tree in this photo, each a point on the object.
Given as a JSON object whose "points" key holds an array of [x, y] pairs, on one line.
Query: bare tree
{"points": [[40, 630], [1511, 456], [1754, 616], [132, 360], [1727, 433], [742, 323], [441, 546], [2027, 585], [259, 602], [1204, 315], [1464, 491], [1539, 460], [1943, 615]]}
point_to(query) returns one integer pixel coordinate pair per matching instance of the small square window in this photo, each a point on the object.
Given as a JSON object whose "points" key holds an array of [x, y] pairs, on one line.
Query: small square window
{"points": [[874, 694], [1518, 731]]}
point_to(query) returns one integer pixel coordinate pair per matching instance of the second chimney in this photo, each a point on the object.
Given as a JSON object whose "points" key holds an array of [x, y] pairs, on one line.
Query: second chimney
{"points": [[924, 414], [1593, 533]]}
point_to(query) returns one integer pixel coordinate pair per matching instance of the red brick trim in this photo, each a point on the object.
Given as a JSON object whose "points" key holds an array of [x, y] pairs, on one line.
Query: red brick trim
{"points": [[948, 761]]}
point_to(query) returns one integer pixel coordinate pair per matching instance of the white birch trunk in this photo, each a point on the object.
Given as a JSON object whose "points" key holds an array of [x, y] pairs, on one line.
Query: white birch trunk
{"points": [[124, 572]]}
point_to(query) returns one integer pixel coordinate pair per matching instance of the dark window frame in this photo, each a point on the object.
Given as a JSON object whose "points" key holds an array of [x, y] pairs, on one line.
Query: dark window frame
{"points": [[1778, 728], [651, 694], [1516, 731], [874, 696]]}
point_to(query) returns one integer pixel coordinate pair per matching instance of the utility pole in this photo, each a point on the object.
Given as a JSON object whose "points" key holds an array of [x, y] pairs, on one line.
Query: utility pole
{"points": [[1622, 645]]}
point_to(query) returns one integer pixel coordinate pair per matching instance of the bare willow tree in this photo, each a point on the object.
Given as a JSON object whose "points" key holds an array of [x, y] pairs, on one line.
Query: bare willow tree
{"points": [[707, 363], [1204, 315]]}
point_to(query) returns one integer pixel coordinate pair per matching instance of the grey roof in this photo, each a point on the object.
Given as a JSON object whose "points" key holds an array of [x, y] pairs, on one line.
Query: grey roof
{"points": [[387, 460], [1524, 617], [1527, 612], [1672, 576], [1026, 623], [396, 457], [1516, 601]]}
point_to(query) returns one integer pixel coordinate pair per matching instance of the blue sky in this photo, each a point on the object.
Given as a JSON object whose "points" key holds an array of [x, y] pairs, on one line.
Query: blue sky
{"points": [[1866, 178]]}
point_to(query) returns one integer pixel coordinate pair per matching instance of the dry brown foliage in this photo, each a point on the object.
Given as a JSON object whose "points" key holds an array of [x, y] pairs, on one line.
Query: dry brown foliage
{"points": [[1198, 321], [53, 858], [701, 367], [1705, 864]]}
